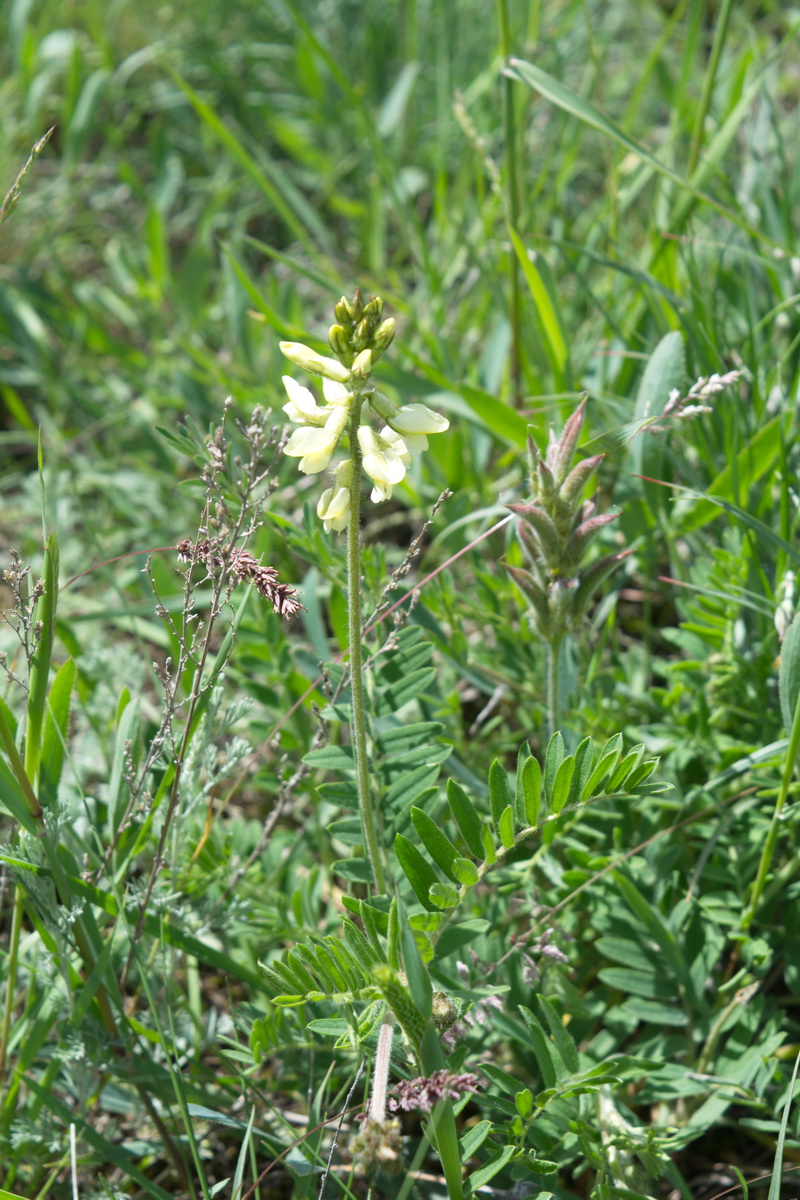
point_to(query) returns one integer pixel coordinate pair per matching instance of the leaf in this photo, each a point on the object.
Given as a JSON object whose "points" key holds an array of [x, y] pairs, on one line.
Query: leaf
{"points": [[562, 784], [532, 790], [419, 981], [481, 1177], [564, 1043], [466, 817], [505, 827], [392, 698], [456, 936], [55, 733], [546, 311], [40, 662], [554, 756], [584, 760], [408, 737], [541, 1046], [553, 90], [465, 871], [657, 928], [438, 845], [499, 791], [444, 895], [603, 768], [624, 768], [472, 1140], [418, 871], [789, 674], [331, 758], [127, 732], [733, 484], [348, 830], [358, 870], [777, 1165]]}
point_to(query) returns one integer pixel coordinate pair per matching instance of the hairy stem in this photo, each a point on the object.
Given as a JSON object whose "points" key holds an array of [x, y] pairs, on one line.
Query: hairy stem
{"points": [[553, 685], [359, 723]]}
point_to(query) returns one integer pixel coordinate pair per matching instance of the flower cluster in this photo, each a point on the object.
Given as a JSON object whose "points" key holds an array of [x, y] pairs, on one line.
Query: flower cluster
{"points": [[423, 1094], [378, 1146], [243, 566], [555, 531], [351, 403], [694, 402]]}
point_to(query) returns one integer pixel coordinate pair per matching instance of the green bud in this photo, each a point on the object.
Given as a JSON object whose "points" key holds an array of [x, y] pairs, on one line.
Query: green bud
{"points": [[361, 335], [343, 312], [373, 310], [362, 367], [382, 337], [340, 344]]}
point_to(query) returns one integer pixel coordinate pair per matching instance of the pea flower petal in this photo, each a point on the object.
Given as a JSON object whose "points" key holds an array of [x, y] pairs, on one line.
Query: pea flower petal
{"points": [[302, 408], [418, 418]]}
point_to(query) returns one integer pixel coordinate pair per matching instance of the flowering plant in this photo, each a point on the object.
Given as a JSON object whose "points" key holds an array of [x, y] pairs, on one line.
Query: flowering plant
{"points": [[352, 402]]}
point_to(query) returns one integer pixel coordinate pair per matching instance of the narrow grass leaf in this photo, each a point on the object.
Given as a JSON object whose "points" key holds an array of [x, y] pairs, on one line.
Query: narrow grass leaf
{"points": [[555, 91], [546, 311], [55, 732]]}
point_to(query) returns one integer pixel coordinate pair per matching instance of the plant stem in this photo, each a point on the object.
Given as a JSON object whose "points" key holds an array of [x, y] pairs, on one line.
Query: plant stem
{"points": [[380, 1075], [764, 865], [359, 722], [553, 685], [11, 979]]}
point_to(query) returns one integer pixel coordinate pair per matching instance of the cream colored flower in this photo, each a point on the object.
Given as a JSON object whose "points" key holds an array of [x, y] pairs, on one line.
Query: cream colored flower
{"points": [[308, 360], [384, 465], [314, 446], [302, 408], [333, 508], [419, 419]]}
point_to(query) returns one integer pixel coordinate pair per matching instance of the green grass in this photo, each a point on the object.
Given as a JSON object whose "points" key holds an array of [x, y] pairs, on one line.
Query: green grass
{"points": [[218, 176]]}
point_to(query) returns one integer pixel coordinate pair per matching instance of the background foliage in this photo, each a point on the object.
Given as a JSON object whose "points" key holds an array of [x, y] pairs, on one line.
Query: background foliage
{"points": [[616, 214]]}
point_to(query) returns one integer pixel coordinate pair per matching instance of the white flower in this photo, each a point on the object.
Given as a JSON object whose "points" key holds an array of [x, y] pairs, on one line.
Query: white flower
{"points": [[384, 465], [314, 446], [335, 393], [302, 408], [333, 508], [400, 445], [417, 418]]}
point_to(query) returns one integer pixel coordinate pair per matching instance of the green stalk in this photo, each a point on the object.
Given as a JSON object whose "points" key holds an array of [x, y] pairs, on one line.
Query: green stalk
{"points": [[513, 205], [774, 826], [708, 86], [359, 723], [553, 685], [11, 979]]}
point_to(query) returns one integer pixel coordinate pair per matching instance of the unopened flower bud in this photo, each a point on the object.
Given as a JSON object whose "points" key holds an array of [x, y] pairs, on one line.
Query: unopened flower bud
{"points": [[382, 337], [343, 312], [339, 343], [361, 335], [362, 367], [308, 359], [373, 310]]}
